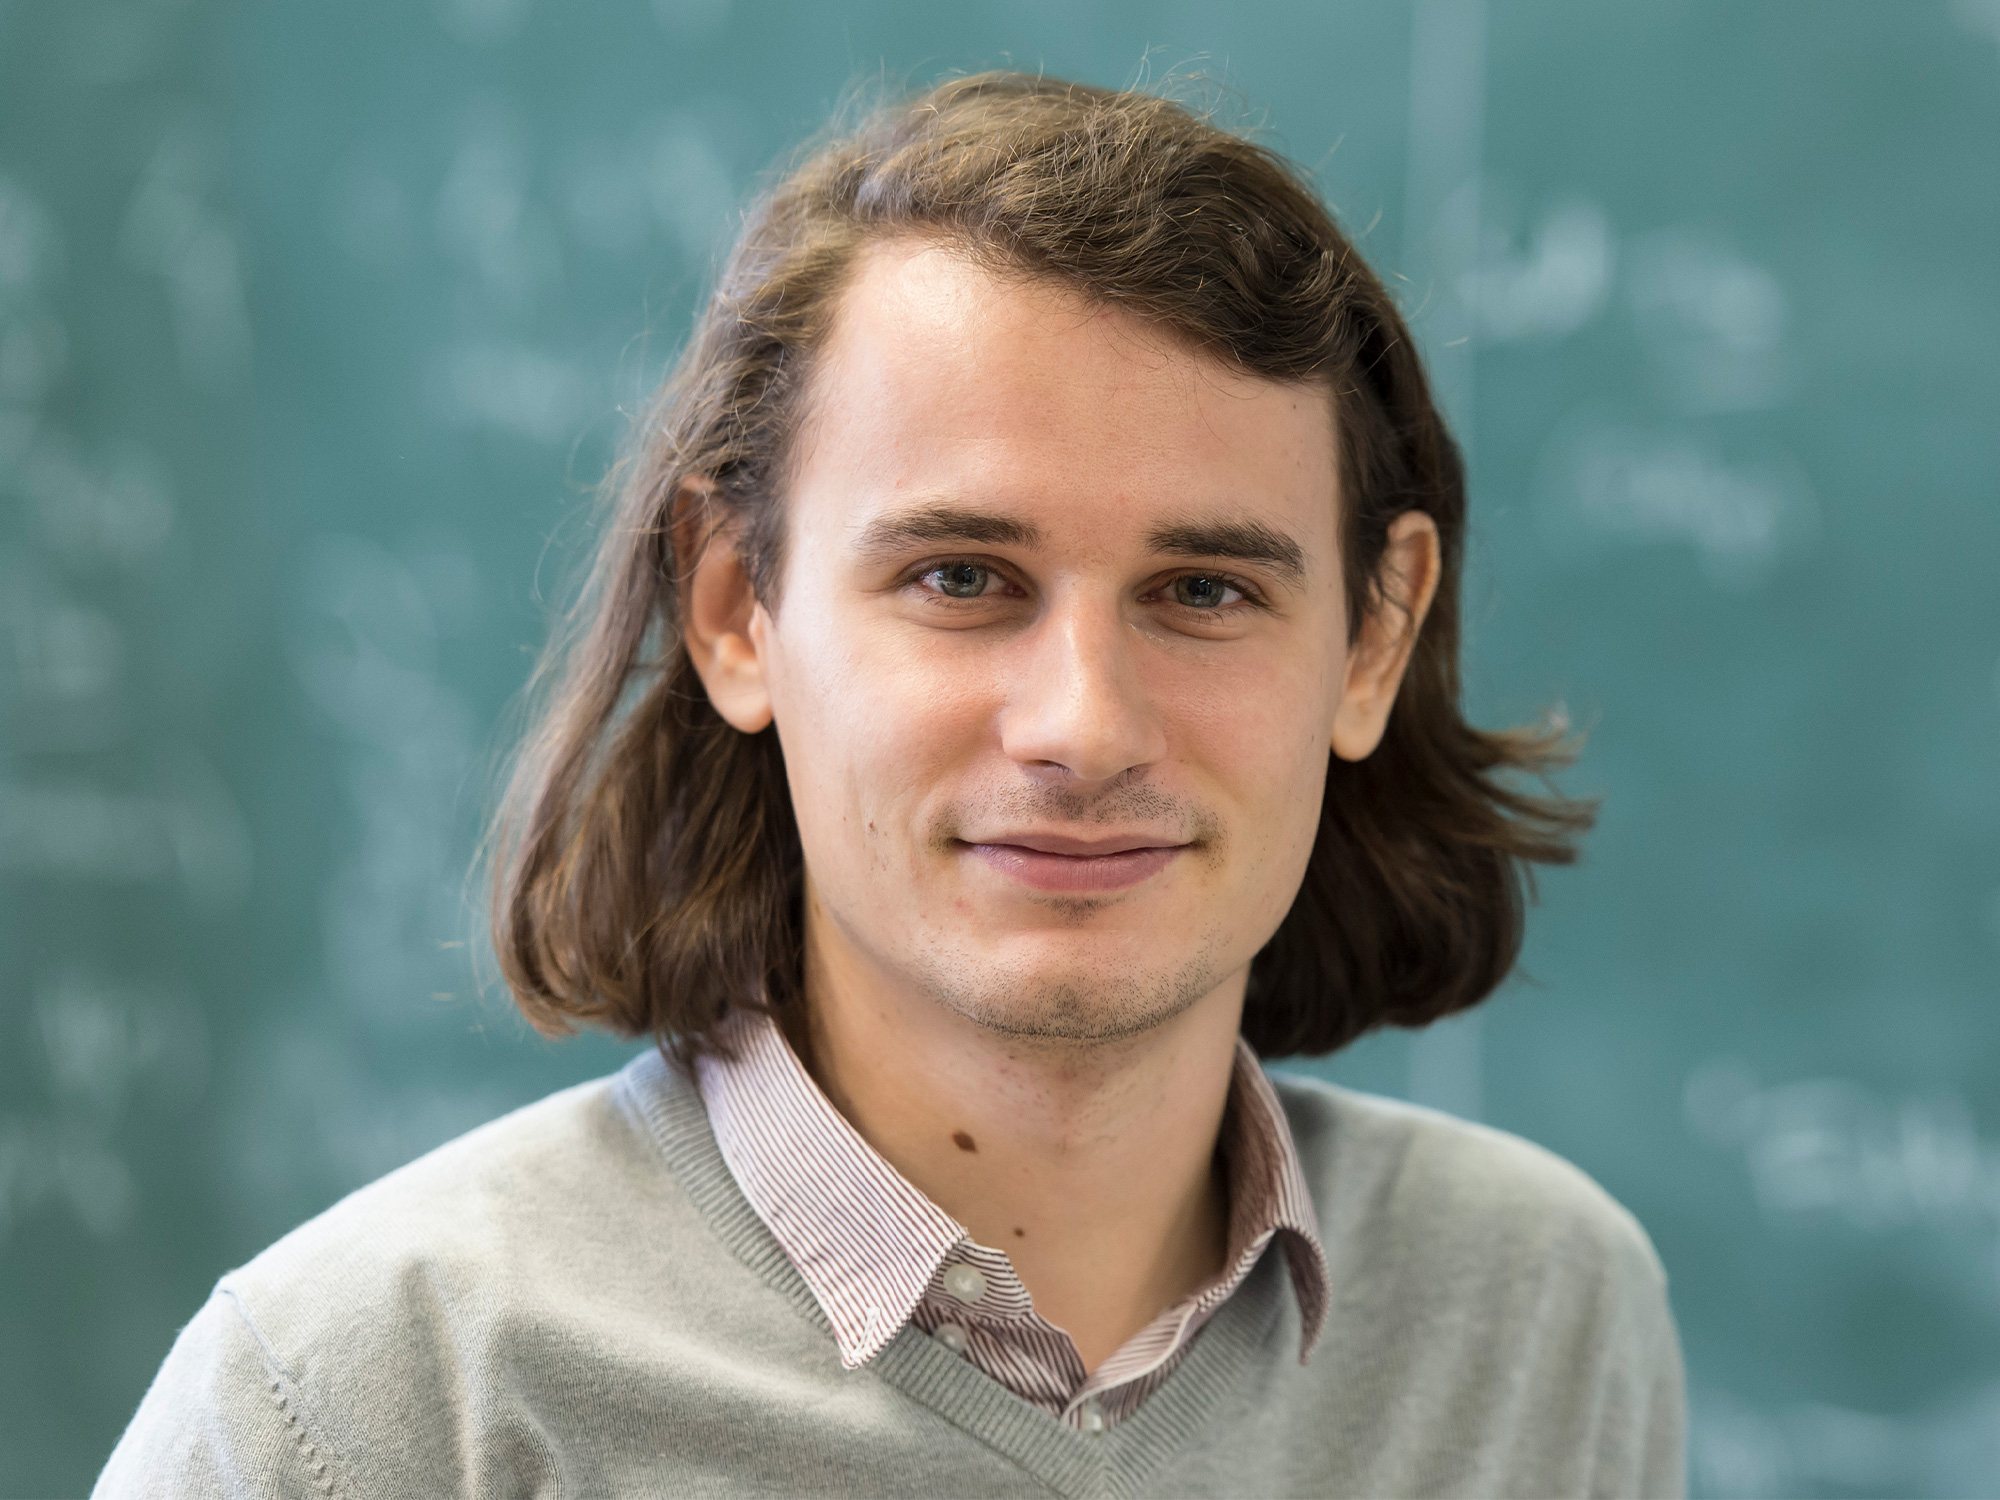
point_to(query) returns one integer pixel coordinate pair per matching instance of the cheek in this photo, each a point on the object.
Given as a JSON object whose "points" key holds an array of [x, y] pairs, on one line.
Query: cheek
{"points": [[1258, 733], [868, 723]]}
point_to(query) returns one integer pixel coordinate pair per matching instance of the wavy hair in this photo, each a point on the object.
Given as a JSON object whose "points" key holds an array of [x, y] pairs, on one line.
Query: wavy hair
{"points": [[647, 871]]}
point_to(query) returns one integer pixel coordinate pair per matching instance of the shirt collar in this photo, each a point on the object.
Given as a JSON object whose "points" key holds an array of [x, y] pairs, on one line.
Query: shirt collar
{"points": [[868, 1242]]}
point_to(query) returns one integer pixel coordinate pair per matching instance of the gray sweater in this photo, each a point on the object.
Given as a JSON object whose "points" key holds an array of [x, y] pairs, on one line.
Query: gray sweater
{"points": [[576, 1300]]}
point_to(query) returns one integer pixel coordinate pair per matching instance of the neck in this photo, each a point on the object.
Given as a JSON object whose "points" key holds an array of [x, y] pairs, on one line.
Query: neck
{"points": [[1091, 1164]]}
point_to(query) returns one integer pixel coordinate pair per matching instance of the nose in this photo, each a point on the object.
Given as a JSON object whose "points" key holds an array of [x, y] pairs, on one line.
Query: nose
{"points": [[1079, 705]]}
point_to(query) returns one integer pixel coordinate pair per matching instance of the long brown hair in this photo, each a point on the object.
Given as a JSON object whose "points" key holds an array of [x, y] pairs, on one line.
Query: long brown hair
{"points": [[647, 869]]}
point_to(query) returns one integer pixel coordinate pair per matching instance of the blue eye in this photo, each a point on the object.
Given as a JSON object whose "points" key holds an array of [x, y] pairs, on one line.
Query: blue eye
{"points": [[960, 580], [1198, 592]]}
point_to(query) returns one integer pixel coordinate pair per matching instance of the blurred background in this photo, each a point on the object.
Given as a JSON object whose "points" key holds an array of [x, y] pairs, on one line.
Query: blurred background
{"points": [[316, 324]]}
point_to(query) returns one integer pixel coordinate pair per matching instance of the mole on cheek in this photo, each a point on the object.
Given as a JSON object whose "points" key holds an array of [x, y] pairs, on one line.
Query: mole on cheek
{"points": [[963, 1141], [1020, 1233]]}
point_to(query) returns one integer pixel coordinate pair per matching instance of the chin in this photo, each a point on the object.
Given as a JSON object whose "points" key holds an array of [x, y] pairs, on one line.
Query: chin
{"points": [[1101, 998]]}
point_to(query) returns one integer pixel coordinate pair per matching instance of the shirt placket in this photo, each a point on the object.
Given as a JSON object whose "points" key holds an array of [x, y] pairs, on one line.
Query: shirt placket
{"points": [[977, 1306]]}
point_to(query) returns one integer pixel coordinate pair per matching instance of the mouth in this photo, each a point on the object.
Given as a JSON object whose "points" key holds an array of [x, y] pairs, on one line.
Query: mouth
{"points": [[1055, 862]]}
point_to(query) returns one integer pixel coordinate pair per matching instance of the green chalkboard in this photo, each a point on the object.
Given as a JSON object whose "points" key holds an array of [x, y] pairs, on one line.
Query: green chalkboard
{"points": [[316, 325]]}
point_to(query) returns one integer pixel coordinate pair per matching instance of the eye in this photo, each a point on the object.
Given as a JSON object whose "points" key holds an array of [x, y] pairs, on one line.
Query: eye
{"points": [[959, 580], [1201, 591]]}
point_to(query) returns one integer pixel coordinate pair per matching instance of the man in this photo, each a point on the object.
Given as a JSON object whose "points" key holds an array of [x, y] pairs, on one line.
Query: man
{"points": [[1017, 689]]}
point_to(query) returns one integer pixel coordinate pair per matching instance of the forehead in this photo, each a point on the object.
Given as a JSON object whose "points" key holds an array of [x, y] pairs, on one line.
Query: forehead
{"points": [[942, 379]]}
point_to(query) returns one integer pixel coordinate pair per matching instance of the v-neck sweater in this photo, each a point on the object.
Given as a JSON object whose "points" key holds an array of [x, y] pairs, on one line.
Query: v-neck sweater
{"points": [[877, 1252], [577, 1300]]}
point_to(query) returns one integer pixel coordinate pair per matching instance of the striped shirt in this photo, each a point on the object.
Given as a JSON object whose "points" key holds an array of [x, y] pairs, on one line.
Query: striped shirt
{"points": [[877, 1253]]}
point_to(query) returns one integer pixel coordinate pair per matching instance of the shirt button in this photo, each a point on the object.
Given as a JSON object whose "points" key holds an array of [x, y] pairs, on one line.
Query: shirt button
{"points": [[951, 1336], [965, 1283], [1091, 1416]]}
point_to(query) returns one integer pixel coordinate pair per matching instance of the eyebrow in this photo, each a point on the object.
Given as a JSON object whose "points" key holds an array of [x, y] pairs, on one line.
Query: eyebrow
{"points": [[886, 536], [1243, 541], [931, 525]]}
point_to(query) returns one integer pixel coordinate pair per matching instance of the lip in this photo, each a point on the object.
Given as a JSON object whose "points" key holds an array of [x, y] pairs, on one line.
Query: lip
{"points": [[1057, 862]]}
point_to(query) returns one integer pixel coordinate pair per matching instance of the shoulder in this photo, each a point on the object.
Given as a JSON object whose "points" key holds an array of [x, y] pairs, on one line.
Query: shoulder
{"points": [[419, 1277], [474, 1198], [1494, 1289], [1423, 1189], [1482, 1287], [375, 1337]]}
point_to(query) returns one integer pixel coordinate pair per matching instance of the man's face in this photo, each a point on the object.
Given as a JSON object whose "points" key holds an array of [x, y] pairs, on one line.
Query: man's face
{"points": [[1057, 650]]}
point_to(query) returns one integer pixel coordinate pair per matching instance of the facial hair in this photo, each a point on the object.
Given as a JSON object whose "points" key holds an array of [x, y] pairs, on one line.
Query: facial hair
{"points": [[1090, 1004]]}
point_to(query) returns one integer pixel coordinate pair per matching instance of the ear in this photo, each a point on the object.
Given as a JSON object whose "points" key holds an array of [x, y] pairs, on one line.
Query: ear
{"points": [[1407, 580], [722, 624]]}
